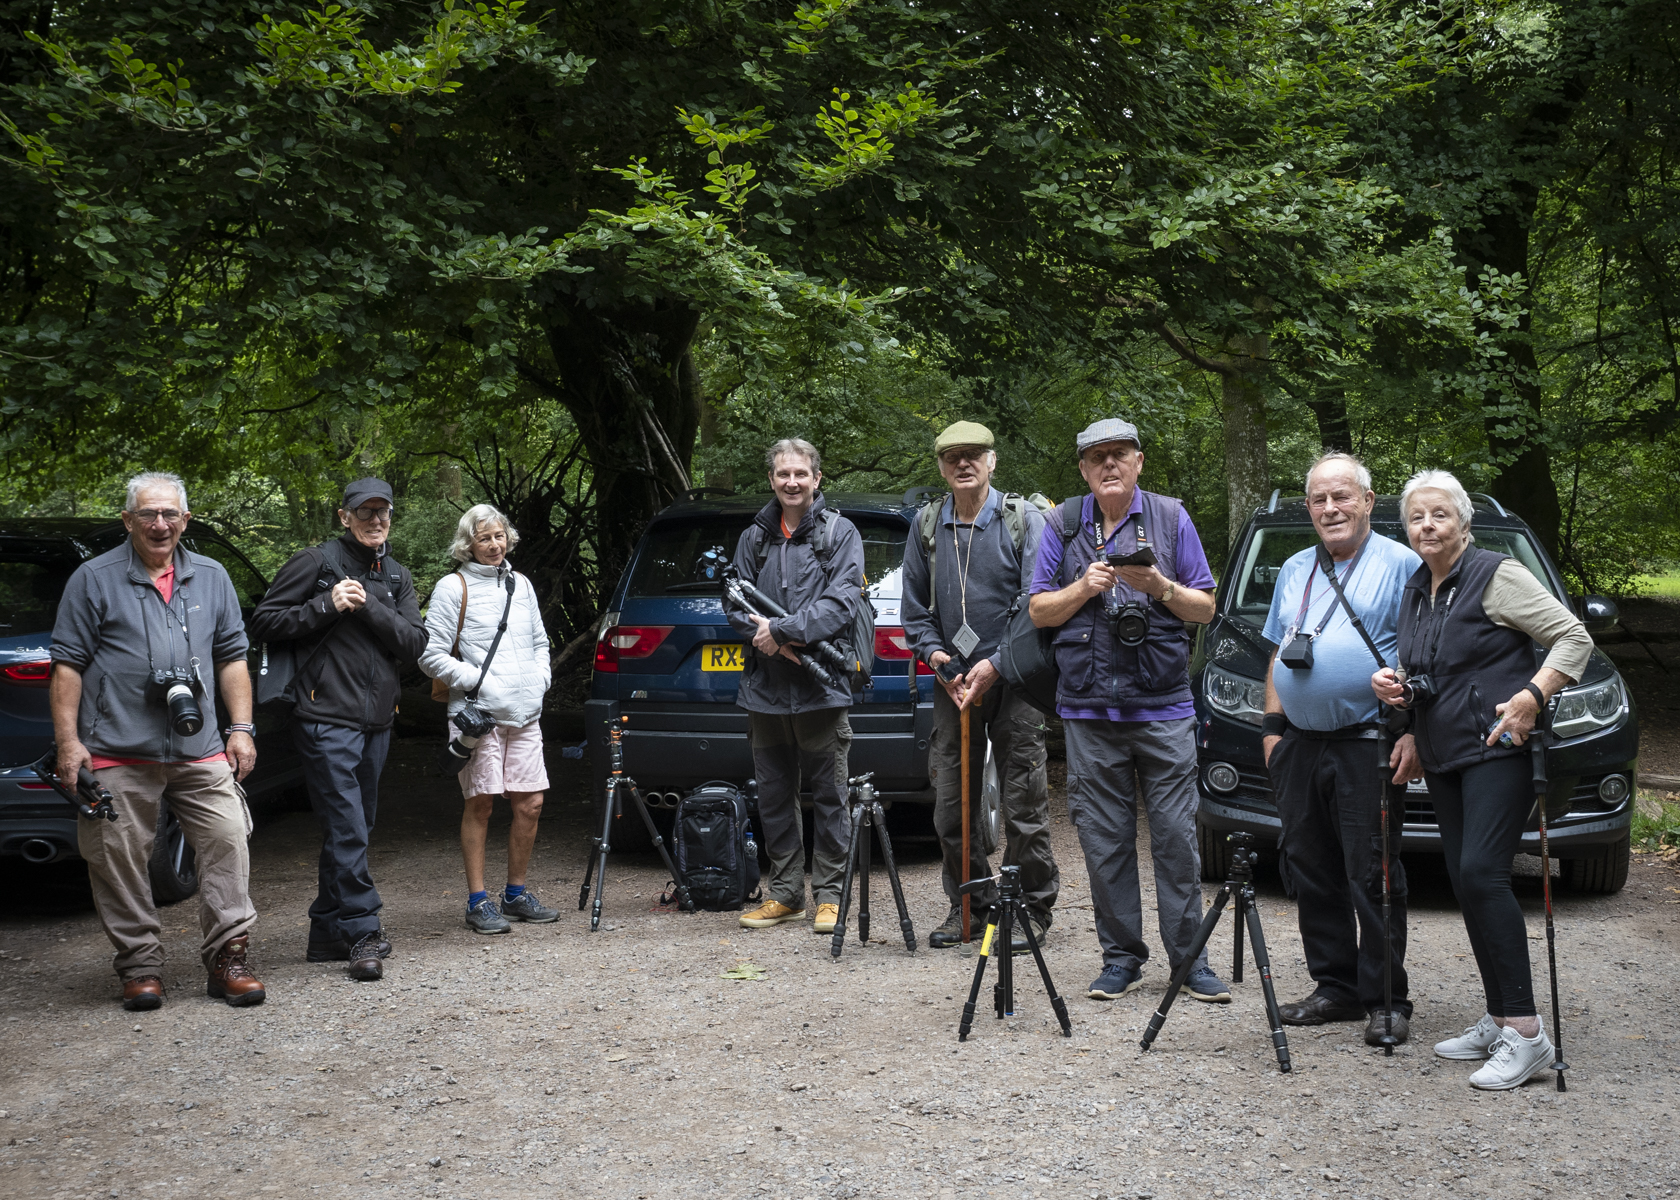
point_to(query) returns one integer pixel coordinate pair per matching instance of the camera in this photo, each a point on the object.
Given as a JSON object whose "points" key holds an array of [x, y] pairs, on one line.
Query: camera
{"points": [[1129, 624], [178, 690], [1417, 691], [473, 723], [1296, 653]]}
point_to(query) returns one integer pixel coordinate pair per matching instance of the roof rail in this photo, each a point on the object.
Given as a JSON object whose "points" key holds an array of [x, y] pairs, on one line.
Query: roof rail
{"points": [[913, 497], [1497, 507], [1271, 505], [696, 493]]}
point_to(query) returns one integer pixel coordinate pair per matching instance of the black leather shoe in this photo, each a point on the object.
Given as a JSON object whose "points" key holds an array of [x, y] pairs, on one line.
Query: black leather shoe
{"points": [[1377, 1027], [1319, 1010], [365, 956], [950, 933], [321, 952]]}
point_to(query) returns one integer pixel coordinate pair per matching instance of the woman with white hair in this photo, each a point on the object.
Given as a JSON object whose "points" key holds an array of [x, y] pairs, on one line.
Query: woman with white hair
{"points": [[482, 599], [1468, 621]]}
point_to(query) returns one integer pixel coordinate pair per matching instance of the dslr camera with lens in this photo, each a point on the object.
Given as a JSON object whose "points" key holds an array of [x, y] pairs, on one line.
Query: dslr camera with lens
{"points": [[178, 689], [473, 723], [1417, 690], [1129, 623]]}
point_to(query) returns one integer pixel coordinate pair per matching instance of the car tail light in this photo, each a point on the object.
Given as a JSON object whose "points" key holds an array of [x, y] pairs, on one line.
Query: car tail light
{"points": [[628, 641], [893, 644], [27, 674]]}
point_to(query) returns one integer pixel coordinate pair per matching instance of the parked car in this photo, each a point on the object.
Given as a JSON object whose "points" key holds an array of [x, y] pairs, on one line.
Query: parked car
{"points": [[1592, 765], [37, 558], [666, 657]]}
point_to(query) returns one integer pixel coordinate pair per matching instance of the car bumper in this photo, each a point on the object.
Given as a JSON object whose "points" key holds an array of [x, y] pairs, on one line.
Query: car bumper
{"points": [[35, 823]]}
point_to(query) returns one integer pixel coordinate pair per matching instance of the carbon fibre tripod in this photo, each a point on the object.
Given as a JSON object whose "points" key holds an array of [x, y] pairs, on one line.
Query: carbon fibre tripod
{"points": [[617, 784], [868, 814], [1241, 885]]}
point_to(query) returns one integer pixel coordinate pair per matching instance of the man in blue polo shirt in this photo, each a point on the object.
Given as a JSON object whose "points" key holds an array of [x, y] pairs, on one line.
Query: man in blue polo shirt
{"points": [[1124, 698], [1320, 740]]}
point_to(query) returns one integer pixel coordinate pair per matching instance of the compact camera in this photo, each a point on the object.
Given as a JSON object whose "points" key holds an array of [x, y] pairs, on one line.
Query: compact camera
{"points": [[178, 689], [1296, 653], [473, 723], [1417, 691], [1129, 624]]}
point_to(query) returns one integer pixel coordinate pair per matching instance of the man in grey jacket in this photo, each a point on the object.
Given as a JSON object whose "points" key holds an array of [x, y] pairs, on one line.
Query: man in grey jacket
{"points": [[134, 623], [956, 610], [810, 560]]}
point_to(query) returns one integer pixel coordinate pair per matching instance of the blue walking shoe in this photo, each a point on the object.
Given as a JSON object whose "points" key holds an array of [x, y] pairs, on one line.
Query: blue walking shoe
{"points": [[1207, 987], [1115, 982]]}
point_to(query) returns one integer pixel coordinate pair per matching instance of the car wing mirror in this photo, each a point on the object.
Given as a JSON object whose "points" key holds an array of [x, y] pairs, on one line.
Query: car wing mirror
{"points": [[1599, 614]]}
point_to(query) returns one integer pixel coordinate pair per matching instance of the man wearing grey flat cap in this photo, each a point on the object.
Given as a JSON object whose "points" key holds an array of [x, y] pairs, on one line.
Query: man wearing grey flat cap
{"points": [[1123, 655], [351, 615]]}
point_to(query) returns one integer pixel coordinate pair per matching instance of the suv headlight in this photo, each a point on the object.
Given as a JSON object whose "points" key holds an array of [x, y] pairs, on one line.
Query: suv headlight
{"points": [[1235, 695], [1585, 709]]}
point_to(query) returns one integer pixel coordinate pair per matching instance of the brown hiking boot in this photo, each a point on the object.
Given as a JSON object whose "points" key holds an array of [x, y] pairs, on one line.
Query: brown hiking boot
{"points": [[143, 994], [232, 979]]}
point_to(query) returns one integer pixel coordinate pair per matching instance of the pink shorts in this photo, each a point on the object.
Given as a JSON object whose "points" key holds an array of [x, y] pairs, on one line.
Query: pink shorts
{"points": [[505, 760]]}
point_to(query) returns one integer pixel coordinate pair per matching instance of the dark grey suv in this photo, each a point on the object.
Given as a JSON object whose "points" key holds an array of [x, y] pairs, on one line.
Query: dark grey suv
{"points": [[1592, 765]]}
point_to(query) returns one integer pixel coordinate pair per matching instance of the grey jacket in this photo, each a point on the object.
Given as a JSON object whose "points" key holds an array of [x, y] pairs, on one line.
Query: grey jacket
{"points": [[997, 573], [114, 627], [818, 594]]}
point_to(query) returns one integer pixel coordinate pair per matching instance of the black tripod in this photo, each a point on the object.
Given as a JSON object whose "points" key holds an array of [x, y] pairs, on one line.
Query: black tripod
{"points": [[1241, 885], [617, 784], [867, 813], [1001, 930]]}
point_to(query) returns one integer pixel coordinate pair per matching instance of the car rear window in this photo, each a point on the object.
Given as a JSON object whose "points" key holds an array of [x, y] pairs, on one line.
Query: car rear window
{"points": [[676, 555], [1250, 597], [32, 578]]}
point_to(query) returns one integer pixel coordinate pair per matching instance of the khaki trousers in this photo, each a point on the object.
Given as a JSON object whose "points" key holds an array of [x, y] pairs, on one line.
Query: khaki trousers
{"points": [[212, 813]]}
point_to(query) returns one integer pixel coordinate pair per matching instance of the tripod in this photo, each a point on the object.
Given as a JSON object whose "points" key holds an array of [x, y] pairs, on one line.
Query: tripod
{"points": [[617, 784], [1241, 885], [867, 813], [1002, 930]]}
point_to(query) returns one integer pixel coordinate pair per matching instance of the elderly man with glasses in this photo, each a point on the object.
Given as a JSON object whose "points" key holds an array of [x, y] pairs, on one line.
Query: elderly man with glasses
{"points": [[135, 624], [350, 612]]}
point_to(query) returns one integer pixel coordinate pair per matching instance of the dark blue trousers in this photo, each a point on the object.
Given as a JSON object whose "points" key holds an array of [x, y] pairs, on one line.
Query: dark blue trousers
{"points": [[341, 767]]}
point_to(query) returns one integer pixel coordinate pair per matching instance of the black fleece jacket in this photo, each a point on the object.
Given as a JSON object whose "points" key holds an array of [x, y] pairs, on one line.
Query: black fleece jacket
{"points": [[355, 680]]}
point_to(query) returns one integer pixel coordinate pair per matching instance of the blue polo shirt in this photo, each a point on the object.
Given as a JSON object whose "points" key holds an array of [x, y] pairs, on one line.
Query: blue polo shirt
{"points": [[1336, 692]]}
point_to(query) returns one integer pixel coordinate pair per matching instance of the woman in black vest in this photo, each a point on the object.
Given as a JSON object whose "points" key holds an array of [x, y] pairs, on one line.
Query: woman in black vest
{"points": [[1468, 623]]}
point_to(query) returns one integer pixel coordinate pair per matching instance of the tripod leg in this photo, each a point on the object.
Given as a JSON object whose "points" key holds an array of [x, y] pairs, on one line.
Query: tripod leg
{"points": [[1237, 943], [892, 877], [595, 849], [685, 903], [603, 847], [974, 988], [839, 941], [1004, 992], [1056, 1002], [1263, 960], [1184, 968], [863, 875]]}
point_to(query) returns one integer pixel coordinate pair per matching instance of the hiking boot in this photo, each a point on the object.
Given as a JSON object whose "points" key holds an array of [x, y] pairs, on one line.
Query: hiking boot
{"points": [[231, 977], [772, 912], [950, 933], [338, 951], [526, 907], [1514, 1060], [364, 958], [828, 916], [1115, 982], [1473, 1044], [486, 917], [143, 994], [1207, 987]]}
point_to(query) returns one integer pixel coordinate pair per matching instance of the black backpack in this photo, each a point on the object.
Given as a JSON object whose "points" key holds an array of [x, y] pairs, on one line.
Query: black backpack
{"points": [[1027, 654], [716, 854], [278, 669]]}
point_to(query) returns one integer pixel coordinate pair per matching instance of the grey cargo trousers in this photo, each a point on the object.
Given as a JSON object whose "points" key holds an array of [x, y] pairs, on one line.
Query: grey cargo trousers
{"points": [[1016, 731], [783, 743]]}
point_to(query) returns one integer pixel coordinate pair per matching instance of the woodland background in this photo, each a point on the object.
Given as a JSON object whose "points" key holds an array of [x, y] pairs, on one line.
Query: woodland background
{"points": [[575, 258]]}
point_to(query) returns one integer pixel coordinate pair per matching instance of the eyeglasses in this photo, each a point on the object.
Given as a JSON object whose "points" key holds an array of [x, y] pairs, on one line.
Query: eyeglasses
{"points": [[1098, 458], [151, 516], [962, 454], [368, 513]]}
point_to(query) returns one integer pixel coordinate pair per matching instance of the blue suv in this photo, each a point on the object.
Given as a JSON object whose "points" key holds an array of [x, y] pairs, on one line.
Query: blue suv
{"points": [[666, 657]]}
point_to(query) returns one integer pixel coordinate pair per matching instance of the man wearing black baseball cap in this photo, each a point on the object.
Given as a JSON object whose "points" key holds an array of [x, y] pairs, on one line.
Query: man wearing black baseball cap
{"points": [[349, 613]]}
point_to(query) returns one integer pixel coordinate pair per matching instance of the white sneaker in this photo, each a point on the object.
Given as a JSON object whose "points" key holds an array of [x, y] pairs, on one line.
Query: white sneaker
{"points": [[1474, 1043], [1514, 1061]]}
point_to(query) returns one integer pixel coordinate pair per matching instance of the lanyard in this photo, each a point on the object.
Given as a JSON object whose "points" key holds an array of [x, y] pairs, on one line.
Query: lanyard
{"points": [[962, 564], [1104, 543], [1347, 577]]}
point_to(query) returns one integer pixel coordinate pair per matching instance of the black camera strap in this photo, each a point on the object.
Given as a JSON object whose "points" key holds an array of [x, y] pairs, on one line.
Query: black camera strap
{"points": [[1353, 617], [497, 640]]}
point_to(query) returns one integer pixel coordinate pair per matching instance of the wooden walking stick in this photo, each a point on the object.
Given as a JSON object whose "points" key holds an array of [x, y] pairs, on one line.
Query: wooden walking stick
{"points": [[965, 815]]}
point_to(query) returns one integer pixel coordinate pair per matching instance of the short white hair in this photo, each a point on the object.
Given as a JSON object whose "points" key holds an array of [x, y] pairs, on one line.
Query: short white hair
{"points": [[467, 529], [152, 479], [797, 446], [1438, 481], [1340, 457]]}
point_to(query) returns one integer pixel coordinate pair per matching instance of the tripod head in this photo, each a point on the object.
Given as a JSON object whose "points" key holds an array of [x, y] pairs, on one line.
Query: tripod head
{"points": [[1008, 880], [1243, 857], [860, 789]]}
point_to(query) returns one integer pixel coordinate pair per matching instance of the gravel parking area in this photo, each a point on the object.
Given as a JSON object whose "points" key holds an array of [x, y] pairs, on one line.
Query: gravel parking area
{"points": [[623, 1063]]}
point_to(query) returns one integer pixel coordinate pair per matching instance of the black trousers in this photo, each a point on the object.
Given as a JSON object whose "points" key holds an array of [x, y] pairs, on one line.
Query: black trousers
{"points": [[1482, 811], [341, 767], [1328, 796]]}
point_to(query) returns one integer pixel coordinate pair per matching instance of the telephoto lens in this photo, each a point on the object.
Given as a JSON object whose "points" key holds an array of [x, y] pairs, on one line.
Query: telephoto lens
{"points": [[185, 716], [473, 723]]}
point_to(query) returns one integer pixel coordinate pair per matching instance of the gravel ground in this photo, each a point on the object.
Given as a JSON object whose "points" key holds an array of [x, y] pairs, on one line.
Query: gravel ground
{"points": [[622, 1064]]}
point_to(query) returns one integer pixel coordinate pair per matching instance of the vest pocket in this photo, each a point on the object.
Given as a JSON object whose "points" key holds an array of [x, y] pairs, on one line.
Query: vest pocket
{"points": [[1075, 656], [1164, 659]]}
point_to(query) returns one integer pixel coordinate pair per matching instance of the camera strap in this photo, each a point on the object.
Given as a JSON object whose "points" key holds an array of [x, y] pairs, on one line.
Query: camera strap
{"points": [[497, 640], [1353, 617]]}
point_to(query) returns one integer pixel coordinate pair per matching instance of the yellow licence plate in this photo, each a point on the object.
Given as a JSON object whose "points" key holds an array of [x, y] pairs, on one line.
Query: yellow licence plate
{"points": [[722, 656]]}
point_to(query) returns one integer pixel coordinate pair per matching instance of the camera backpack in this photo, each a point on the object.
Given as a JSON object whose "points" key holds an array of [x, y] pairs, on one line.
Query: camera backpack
{"points": [[1027, 655], [716, 854]]}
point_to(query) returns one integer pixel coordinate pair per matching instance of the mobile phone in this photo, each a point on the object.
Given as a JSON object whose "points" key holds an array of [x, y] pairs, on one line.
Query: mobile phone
{"points": [[949, 670]]}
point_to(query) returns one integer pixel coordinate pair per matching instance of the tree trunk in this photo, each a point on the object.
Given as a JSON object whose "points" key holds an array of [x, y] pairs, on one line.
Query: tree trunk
{"points": [[1247, 467], [1333, 431]]}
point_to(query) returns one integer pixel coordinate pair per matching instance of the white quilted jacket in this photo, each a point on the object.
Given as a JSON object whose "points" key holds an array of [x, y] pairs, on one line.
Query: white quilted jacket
{"points": [[520, 672]]}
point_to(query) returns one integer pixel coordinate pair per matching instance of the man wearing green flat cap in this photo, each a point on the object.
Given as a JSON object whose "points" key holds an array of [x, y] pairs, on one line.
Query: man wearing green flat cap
{"points": [[970, 555]]}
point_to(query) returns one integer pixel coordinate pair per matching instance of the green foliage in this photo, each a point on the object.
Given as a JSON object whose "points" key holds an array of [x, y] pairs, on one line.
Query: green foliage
{"points": [[1656, 825]]}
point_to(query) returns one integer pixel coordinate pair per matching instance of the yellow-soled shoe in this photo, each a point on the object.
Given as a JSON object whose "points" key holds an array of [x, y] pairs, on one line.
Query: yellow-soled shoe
{"points": [[771, 912], [828, 916]]}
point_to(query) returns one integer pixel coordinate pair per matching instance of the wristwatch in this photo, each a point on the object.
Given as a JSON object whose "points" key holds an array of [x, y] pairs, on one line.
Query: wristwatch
{"points": [[1166, 596]]}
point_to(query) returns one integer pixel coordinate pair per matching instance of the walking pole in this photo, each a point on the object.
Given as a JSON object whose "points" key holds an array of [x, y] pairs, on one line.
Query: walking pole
{"points": [[1385, 775], [965, 813], [1538, 738]]}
